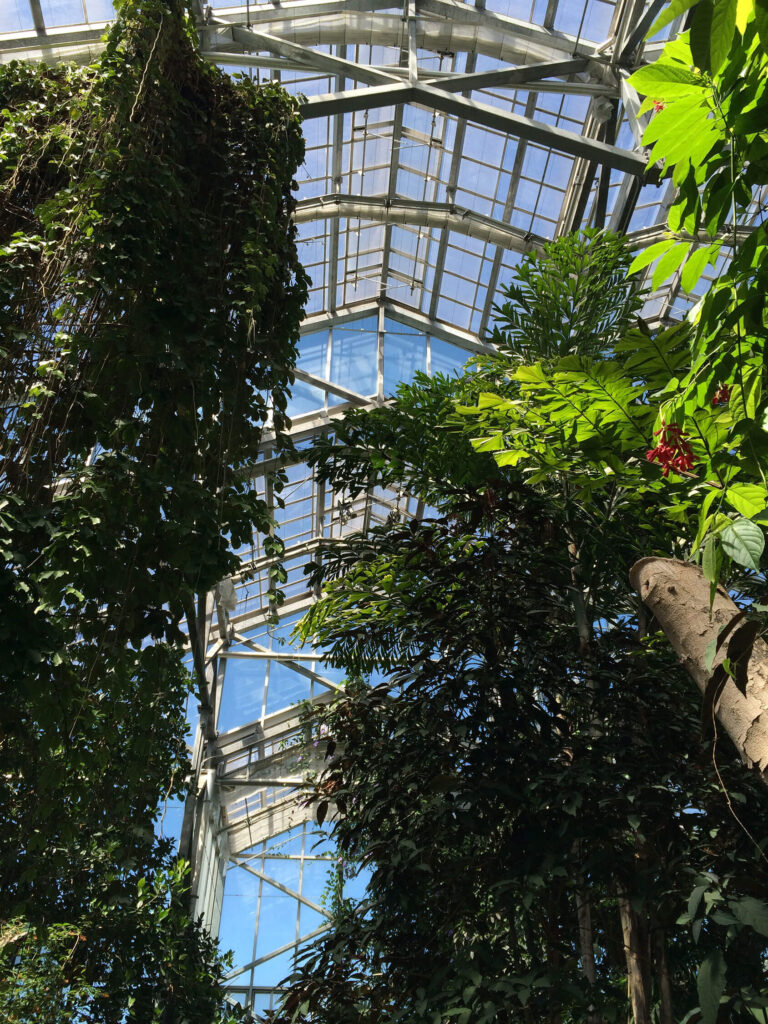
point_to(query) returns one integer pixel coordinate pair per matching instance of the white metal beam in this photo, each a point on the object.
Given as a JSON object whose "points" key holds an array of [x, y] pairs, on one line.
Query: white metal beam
{"points": [[559, 139], [440, 25], [509, 205], [313, 60], [277, 952], [513, 76], [280, 887], [415, 212], [333, 389], [435, 98]]}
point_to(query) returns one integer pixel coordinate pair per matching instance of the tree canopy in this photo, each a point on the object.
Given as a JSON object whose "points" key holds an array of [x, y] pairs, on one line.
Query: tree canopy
{"points": [[530, 788]]}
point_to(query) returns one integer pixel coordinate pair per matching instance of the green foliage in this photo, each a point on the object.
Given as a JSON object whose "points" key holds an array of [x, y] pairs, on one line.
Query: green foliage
{"points": [[582, 304], [154, 963], [709, 90], [388, 443], [583, 420], [529, 787], [588, 420], [150, 297], [503, 772]]}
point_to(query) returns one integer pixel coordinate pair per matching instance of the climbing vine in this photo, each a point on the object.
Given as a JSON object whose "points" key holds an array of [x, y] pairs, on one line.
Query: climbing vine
{"points": [[150, 297]]}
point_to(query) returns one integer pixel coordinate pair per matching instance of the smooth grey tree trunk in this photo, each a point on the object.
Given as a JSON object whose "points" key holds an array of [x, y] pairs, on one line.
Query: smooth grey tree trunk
{"points": [[678, 594]]}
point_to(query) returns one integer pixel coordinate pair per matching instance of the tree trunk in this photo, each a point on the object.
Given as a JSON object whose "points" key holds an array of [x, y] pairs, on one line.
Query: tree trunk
{"points": [[586, 940], [551, 932], [638, 960], [586, 945], [666, 1011], [678, 594]]}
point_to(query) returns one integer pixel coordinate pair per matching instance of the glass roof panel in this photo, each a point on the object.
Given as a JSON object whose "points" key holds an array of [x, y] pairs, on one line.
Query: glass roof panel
{"points": [[99, 10], [62, 12], [16, 16]]}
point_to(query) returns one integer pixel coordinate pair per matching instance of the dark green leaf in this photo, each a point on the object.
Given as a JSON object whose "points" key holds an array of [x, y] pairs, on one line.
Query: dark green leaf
{"points": [[744, 541], [761, 21], [723, 26], [752, 912], [710, 562], [701, 34], [710, 983]]}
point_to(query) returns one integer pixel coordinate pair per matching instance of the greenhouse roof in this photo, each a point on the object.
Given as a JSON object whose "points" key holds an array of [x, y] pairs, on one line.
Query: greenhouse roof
{"points": [[444, 139]]}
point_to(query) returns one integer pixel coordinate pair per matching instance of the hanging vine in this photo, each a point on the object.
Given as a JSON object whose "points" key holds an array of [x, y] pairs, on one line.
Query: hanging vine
{"points": [[150, 297]]}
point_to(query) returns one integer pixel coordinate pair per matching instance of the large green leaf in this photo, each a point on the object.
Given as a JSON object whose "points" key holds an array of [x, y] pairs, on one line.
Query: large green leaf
{"points": [[672, 11], [744, 9], [669, 263], [667, 81], [710, 559], [695, 265], [722, 28], [712, 30], [710, 983], [748, 499], [752, 912], [701, 32], [681, 129], [744, 541], [647, 256]]}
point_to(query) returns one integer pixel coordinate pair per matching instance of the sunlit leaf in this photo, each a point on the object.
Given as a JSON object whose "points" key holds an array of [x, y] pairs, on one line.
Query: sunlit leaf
{"points": [[647, 256], [672, 11], [747, 499], [744, 10], [744, 541], [669, 263], [666, 81], [695, 265]]}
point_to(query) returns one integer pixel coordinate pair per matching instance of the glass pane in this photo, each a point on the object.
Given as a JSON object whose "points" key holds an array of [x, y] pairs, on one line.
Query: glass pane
{"points": [[404, 354], [62, 12], [100, 10], [16, 16]]}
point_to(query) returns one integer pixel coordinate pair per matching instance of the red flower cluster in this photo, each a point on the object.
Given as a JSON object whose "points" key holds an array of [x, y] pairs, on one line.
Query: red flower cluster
{"points": [[722, 395], [658, 106], [672, 451]]}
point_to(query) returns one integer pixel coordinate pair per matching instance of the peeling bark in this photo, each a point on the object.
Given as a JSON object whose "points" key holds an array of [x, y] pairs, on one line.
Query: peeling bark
{"points": [[678, 595]]}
